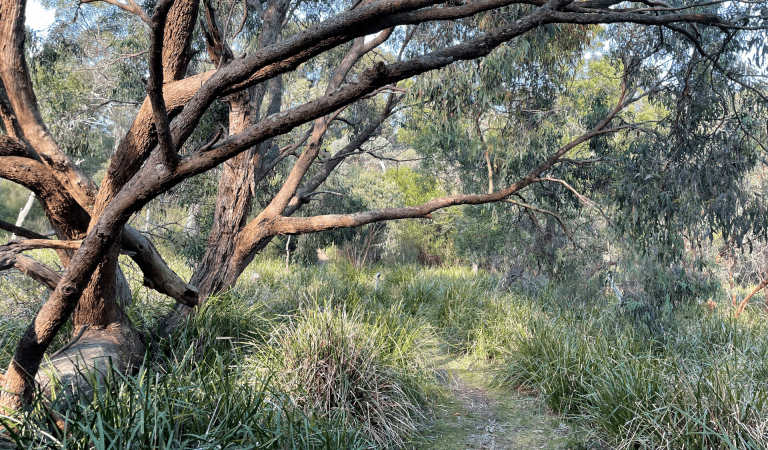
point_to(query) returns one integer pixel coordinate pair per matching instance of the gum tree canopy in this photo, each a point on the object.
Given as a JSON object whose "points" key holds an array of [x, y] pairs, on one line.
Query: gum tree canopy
{"points": [[249, 57]]}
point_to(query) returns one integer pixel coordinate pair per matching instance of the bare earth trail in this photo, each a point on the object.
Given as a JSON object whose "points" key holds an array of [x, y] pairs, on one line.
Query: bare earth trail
{"points": [[476, 416]]}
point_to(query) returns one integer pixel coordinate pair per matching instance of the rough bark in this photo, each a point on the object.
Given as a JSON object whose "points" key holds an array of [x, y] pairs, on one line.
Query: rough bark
{"points": [[241, 173], [233, 203], [227, 259], [92, 298], [97, 247], [141, 138]]}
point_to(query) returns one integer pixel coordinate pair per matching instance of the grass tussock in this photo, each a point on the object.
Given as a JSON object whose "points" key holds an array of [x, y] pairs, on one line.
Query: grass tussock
{"points": [[335, 364]]}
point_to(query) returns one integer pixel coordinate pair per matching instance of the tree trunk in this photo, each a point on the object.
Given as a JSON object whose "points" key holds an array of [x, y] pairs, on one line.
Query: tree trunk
{"points": [[109, 337], [218, 269], [233, 203]]}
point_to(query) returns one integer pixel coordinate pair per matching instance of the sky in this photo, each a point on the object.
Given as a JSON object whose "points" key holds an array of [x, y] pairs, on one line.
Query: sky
{"points": [[38, 18]]}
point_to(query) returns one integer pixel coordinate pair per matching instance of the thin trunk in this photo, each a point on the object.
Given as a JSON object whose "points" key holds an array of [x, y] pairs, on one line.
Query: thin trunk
{"points": [[287, 252], [24, 212], [192, 227], [146, 220]]}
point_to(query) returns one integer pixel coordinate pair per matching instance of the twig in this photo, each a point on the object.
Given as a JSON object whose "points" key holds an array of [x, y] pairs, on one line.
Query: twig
{"points": [[323, 192], [582, 198], [544, 211]]}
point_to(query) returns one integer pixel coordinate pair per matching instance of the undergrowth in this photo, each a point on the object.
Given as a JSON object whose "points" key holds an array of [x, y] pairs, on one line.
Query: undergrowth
{"points": [[319, 358], [700, 384]]}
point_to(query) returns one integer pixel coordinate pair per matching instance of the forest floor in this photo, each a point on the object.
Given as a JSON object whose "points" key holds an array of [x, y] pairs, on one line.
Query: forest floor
{"points": [[476, 415]]}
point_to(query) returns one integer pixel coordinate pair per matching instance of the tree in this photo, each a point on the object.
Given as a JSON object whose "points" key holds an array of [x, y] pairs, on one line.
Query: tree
{"points": [[157, 152]]}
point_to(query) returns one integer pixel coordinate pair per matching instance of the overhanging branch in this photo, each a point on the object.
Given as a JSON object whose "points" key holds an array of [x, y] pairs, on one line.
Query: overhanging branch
{"points": [[299, 225]]}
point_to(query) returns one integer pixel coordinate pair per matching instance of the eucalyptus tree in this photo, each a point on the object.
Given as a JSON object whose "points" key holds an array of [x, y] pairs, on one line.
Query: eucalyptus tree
{"points": [[156, 153]]}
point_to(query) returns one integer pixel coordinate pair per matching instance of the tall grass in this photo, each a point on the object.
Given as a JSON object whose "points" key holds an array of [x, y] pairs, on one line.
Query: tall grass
{"points": [[223, 379], [192, 406], [699, 385], [318, 358]]}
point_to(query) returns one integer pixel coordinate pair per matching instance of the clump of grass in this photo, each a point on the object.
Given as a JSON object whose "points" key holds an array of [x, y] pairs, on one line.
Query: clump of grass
{"points": [[699, 386], [194, 393], [335, 364], [194, 406], [553, 360]]}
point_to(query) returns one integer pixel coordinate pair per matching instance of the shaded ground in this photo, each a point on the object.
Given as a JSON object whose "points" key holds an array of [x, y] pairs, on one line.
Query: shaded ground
{"points": [[476, 416]]}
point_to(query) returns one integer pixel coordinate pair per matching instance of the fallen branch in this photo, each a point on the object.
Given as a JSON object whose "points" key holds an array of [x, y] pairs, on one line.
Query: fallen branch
{"points": [[31, 268]]}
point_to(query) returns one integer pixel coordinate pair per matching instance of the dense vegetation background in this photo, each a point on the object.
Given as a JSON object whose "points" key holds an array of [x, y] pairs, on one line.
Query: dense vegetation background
{"points": [[610, 289]]}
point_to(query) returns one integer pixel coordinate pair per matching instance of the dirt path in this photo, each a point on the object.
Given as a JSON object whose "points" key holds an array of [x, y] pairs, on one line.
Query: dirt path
{"points": [[475, 416]]}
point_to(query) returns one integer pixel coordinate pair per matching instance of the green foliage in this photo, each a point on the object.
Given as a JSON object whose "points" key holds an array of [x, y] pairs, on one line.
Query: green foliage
{"points": [[87, 95], [688, 175], [421, 238]]}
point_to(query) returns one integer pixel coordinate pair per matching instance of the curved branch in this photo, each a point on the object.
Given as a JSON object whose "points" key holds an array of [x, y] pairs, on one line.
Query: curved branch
{"points": [[157, 274], [581, 198], [299, 225], [330, 165], [12, 146], [64, 212], [744, 302], [34, 176], [544, 211]]}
